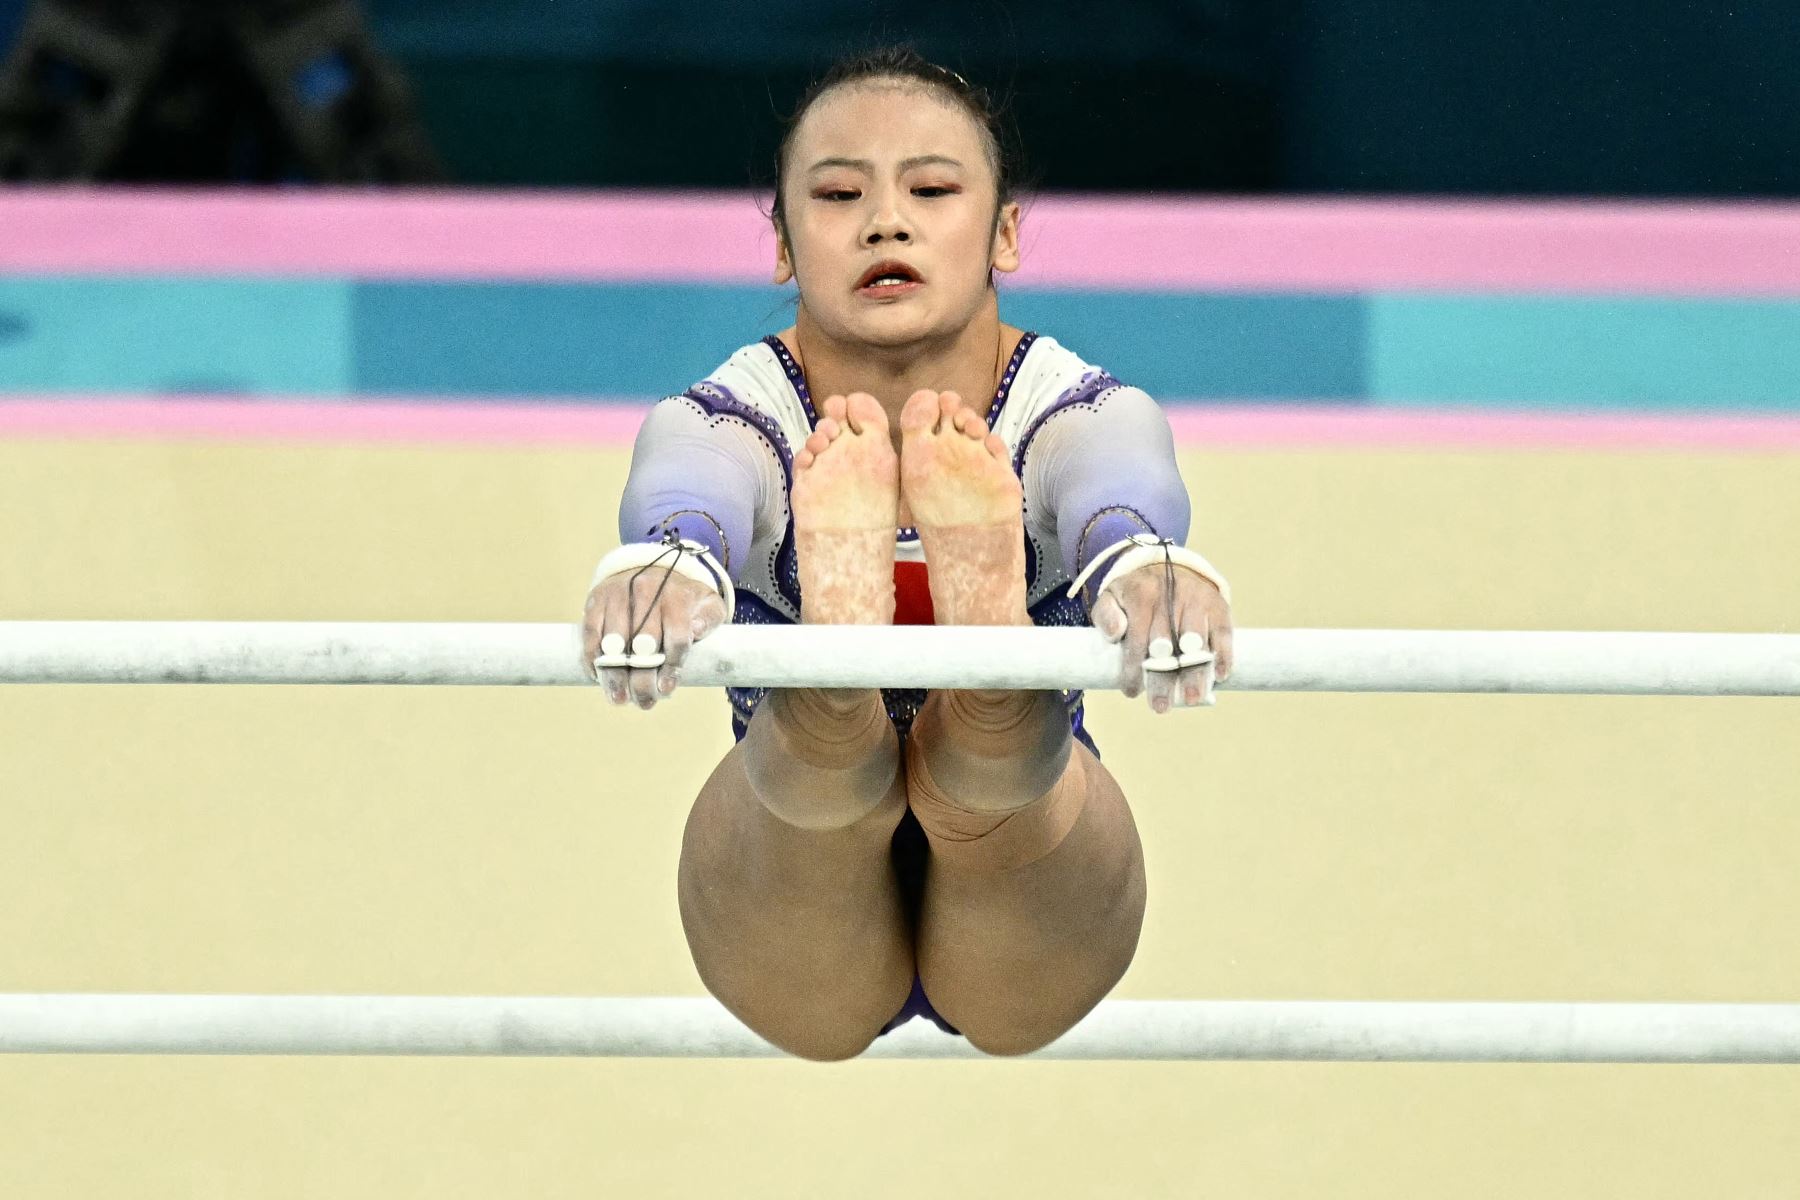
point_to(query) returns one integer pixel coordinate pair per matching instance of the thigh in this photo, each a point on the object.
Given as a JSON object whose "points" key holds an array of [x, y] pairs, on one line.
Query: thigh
{"points": [[799, 932], [1014, 957]]}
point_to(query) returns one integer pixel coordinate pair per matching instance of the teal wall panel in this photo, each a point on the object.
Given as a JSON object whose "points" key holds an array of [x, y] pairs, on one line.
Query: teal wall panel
{"points": [[286, 336], [650, 339], [545, 338], [570, 339], [1574, 352], [1193, 346]]}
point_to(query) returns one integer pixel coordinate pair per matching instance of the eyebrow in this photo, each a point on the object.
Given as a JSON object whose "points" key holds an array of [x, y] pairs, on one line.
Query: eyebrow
{"points": [[868, 168]]}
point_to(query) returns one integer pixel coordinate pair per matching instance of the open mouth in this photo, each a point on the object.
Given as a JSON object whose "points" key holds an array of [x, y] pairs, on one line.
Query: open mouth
{"points": [[889, 278]]}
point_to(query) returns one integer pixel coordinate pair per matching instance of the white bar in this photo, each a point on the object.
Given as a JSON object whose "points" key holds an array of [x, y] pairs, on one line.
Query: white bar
{"points": [[1357, 1031], [1269, 660]]}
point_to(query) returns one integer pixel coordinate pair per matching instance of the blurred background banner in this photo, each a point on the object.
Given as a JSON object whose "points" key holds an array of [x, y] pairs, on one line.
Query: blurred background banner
{"points": [[603, 297]]}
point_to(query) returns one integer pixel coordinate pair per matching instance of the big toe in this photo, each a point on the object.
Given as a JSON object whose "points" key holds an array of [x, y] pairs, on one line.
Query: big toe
{"points": [[921, 412], [866, 414]]}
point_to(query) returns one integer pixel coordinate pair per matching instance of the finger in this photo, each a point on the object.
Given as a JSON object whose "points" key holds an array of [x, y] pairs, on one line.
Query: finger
{"points": [[1194, 687], [707, 616], [647, 640], [1223, 659], [678, 636], [1135, 643], [1159, 685], [1108, 616], [591, 615], [614, 626]]}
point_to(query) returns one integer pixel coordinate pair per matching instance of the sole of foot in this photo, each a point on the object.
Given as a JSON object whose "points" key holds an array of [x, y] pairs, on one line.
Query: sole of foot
{"points": [[958, 482], [846, 501]]}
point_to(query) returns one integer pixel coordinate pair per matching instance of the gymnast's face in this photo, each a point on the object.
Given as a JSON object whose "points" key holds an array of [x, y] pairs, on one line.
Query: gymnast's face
{"points": [[891, 174]]}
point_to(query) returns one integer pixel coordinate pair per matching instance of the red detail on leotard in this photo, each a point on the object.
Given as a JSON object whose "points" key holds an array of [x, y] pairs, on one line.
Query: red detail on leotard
{"points": [[912, 594]]}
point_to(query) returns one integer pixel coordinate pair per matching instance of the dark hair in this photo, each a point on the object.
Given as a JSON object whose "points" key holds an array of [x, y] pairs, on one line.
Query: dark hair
{"points": [[905, 64]]}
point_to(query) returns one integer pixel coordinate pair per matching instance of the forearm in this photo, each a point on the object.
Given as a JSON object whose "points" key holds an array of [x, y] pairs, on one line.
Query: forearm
{"points": [[1110, 476]]}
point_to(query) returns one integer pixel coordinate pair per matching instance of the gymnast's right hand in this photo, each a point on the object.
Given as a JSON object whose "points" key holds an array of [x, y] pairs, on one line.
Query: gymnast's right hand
{"points": [[670, 611]]}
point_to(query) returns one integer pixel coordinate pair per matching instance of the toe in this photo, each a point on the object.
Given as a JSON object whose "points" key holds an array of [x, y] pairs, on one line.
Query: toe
{"points": [[970, 424], [835, 407], [866, 414], [920, 413]]}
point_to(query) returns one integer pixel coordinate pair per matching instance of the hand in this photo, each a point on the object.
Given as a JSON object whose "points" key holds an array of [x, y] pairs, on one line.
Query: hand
{"points": [[628, 604], [1135, 610]]}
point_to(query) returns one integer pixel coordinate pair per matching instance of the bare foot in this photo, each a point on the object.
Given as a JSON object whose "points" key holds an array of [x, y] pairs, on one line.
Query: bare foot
{"points": [[846, 500], [966, 502]]}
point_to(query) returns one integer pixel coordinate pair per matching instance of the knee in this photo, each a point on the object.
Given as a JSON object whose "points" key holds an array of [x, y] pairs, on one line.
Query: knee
{"points": [[1009, 1039], [829, 1032], [818, 771], [994, 753], [820, 1041]]}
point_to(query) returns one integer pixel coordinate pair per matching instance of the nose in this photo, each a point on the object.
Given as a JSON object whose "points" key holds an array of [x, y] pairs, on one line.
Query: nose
{"points": [[887, 223]]}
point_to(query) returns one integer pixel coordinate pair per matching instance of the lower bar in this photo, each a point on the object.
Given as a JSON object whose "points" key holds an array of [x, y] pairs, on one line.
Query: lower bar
{"points": [[1271, 1031]]}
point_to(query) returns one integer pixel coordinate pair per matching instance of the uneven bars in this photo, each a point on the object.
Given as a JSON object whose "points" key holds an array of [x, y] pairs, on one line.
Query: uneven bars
{"points": [[1270, 660], [1268, 1031]]}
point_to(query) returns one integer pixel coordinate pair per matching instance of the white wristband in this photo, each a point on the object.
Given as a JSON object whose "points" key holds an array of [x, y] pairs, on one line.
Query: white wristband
{"points": [[1142, 550], [688, 559]]}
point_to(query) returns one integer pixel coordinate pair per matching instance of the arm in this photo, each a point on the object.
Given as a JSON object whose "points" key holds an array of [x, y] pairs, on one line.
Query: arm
{"points": [[704, 479], [1107, 469]]}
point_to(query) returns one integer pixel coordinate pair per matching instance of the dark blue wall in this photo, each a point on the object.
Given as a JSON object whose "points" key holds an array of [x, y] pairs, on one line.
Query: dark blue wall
{"points": [[1494, 97], [1543, 96], [12, 15], [1481, 96]]}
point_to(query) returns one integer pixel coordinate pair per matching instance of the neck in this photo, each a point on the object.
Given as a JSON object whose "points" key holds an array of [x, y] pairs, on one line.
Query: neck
{"points": [[967, 362]]}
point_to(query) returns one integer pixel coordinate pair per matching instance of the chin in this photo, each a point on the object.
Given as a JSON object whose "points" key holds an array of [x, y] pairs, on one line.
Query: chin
{"points": [[894, 329]]}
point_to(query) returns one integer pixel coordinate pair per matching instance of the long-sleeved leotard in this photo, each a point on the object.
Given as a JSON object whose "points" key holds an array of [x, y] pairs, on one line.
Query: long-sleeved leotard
{"points": [[715, 463], [1095, 457]]}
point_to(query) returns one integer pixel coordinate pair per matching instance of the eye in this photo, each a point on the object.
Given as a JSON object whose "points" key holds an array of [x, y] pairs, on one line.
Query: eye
{"points": [[932, 191], [835, 195]]}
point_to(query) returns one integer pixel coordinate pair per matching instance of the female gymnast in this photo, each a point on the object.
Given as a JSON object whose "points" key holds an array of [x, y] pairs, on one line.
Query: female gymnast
{"points": [[861, 858]]}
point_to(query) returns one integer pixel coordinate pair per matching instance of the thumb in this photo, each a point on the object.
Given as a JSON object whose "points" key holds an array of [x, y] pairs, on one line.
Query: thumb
{"points": [[709, 614], [1109, 617]]}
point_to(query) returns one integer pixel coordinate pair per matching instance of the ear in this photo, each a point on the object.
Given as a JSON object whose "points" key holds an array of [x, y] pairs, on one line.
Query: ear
{"points": [[1006, 239], [784, 262]]}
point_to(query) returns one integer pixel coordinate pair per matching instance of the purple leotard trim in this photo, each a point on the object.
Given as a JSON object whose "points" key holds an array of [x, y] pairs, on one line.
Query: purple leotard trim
{"points": [[795, 376], [716, 401], [1088, 391]]}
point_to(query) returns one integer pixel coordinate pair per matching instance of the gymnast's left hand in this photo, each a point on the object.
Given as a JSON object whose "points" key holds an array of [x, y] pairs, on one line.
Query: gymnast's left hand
{"points": [[1136, 609]]}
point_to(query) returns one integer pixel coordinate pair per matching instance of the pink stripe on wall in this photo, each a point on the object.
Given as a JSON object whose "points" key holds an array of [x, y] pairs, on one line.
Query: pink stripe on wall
{"points": [[1193, 244], [615, 424], [306, 421], [412, 235]]}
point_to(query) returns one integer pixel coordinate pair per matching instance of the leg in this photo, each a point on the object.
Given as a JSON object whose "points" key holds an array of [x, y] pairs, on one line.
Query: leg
{"points": [[788, 895], [1035, 894], [1036, 889]]}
